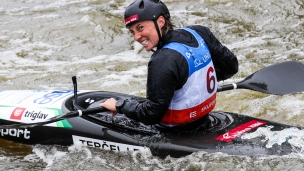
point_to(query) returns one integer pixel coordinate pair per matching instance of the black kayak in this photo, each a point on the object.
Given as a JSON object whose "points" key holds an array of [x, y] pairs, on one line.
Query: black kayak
{"points": [[66, 117], [100, 130]]}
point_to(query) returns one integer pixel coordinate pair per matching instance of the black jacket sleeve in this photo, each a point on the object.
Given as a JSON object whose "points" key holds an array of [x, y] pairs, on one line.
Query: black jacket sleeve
{"points": [[225, 62]]}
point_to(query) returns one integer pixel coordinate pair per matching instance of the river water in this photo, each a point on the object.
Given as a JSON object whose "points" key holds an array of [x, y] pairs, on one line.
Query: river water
{"points": [[43, 43]]}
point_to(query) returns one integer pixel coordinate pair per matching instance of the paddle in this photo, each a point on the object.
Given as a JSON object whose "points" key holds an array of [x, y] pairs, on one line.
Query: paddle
{"points": [[56, 118], [278, 79]]}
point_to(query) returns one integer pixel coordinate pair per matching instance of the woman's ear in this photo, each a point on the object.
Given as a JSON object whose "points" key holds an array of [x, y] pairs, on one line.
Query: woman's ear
{"points": [[161, 21]]}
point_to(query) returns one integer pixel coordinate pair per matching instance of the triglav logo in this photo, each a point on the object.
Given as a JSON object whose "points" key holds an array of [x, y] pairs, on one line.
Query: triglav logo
{"points": [[35, 115], [17, 113]]}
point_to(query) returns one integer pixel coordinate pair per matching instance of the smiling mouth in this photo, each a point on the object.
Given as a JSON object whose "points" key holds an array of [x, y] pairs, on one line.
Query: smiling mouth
{"points": [[144, 42]]}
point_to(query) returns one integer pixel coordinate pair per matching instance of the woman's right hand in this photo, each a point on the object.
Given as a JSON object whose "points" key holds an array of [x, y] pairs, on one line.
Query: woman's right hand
{"points": [[110, 105]]}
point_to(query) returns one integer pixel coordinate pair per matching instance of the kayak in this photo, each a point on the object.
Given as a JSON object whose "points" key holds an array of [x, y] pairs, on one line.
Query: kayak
{"points": [[101, 130], [67, 117]]}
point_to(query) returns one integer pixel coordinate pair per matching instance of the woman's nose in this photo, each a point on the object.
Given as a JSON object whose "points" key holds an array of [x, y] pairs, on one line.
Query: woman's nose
{"points": [[136, 36]]}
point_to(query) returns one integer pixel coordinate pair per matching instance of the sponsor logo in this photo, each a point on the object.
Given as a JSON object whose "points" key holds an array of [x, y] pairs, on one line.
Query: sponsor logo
{"points": [[90, 101], [197, 62], [209, 106], [17, 113], [233, 133], [131, 19], [193, 114], [47, 98], [206, 57], [106, 145], [35, 115], [19, 133]]}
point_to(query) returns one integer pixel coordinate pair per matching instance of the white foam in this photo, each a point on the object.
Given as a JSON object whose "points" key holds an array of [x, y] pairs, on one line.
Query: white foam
{"points": [[48, 155], [293, 136]]}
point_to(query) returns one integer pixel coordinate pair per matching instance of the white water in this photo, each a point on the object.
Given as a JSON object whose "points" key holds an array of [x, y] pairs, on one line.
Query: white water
{"points": [[44, 43]]}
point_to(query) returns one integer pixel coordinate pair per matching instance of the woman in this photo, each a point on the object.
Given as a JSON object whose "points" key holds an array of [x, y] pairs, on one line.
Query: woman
{"points": [[182, 72]]}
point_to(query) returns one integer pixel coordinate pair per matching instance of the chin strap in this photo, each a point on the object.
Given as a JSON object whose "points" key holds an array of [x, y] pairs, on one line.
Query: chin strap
{"points": [[160, 43]]}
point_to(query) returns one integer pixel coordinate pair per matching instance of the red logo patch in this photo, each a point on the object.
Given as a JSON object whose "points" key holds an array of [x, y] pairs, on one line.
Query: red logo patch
{"points": [[17, 113], [131, 19], [235, 132]]}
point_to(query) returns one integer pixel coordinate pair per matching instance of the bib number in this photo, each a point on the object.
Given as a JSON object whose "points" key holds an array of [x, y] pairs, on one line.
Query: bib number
{"points": [[210, 80]]}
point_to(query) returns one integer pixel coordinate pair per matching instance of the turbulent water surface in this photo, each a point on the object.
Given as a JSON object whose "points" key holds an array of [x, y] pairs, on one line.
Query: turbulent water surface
{"points": [[43, 43]]}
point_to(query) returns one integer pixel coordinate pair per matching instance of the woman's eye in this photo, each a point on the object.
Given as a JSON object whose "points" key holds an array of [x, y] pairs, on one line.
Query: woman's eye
{"points": [[140, 28]]}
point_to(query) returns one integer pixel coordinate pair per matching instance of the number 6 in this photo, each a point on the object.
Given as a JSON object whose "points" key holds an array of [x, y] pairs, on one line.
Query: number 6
{"points": [[210, 80]]}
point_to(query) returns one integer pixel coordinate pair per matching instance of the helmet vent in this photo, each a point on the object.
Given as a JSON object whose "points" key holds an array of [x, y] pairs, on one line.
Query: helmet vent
{"points": [[141, 5]]}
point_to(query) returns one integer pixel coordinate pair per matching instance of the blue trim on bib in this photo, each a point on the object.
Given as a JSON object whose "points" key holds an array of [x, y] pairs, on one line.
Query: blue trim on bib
{"points": [[197, 57]]}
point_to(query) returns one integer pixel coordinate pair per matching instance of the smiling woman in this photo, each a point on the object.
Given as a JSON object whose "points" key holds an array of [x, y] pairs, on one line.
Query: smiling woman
{"points": [[145, 33], [149, 11]]}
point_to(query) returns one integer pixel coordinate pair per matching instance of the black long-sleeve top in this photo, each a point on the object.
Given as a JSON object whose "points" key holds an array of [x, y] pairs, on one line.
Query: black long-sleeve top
{"points": [[168, 72]]}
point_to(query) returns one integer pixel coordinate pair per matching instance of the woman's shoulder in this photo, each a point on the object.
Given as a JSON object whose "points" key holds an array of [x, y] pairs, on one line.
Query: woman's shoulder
{"points": [[165, 52], [180, 36], [199, 28], [166, 57]]}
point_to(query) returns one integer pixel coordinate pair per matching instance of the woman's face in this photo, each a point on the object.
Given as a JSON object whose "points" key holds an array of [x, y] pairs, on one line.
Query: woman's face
{"points": [[145, 32]]}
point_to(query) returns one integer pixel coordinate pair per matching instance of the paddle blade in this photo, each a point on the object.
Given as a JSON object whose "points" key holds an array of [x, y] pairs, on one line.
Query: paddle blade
{"points": [[279, 79]]}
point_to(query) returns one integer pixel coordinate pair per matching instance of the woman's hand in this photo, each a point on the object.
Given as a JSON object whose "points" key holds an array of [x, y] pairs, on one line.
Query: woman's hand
{"points": [[110, 105]]}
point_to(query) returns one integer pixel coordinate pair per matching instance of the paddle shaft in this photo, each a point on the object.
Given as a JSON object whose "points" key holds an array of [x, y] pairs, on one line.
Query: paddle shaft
{"points": [[226, 87]]}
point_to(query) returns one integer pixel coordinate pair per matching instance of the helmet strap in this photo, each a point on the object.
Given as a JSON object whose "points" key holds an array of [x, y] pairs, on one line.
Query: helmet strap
{"points": [[160, 43]]}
